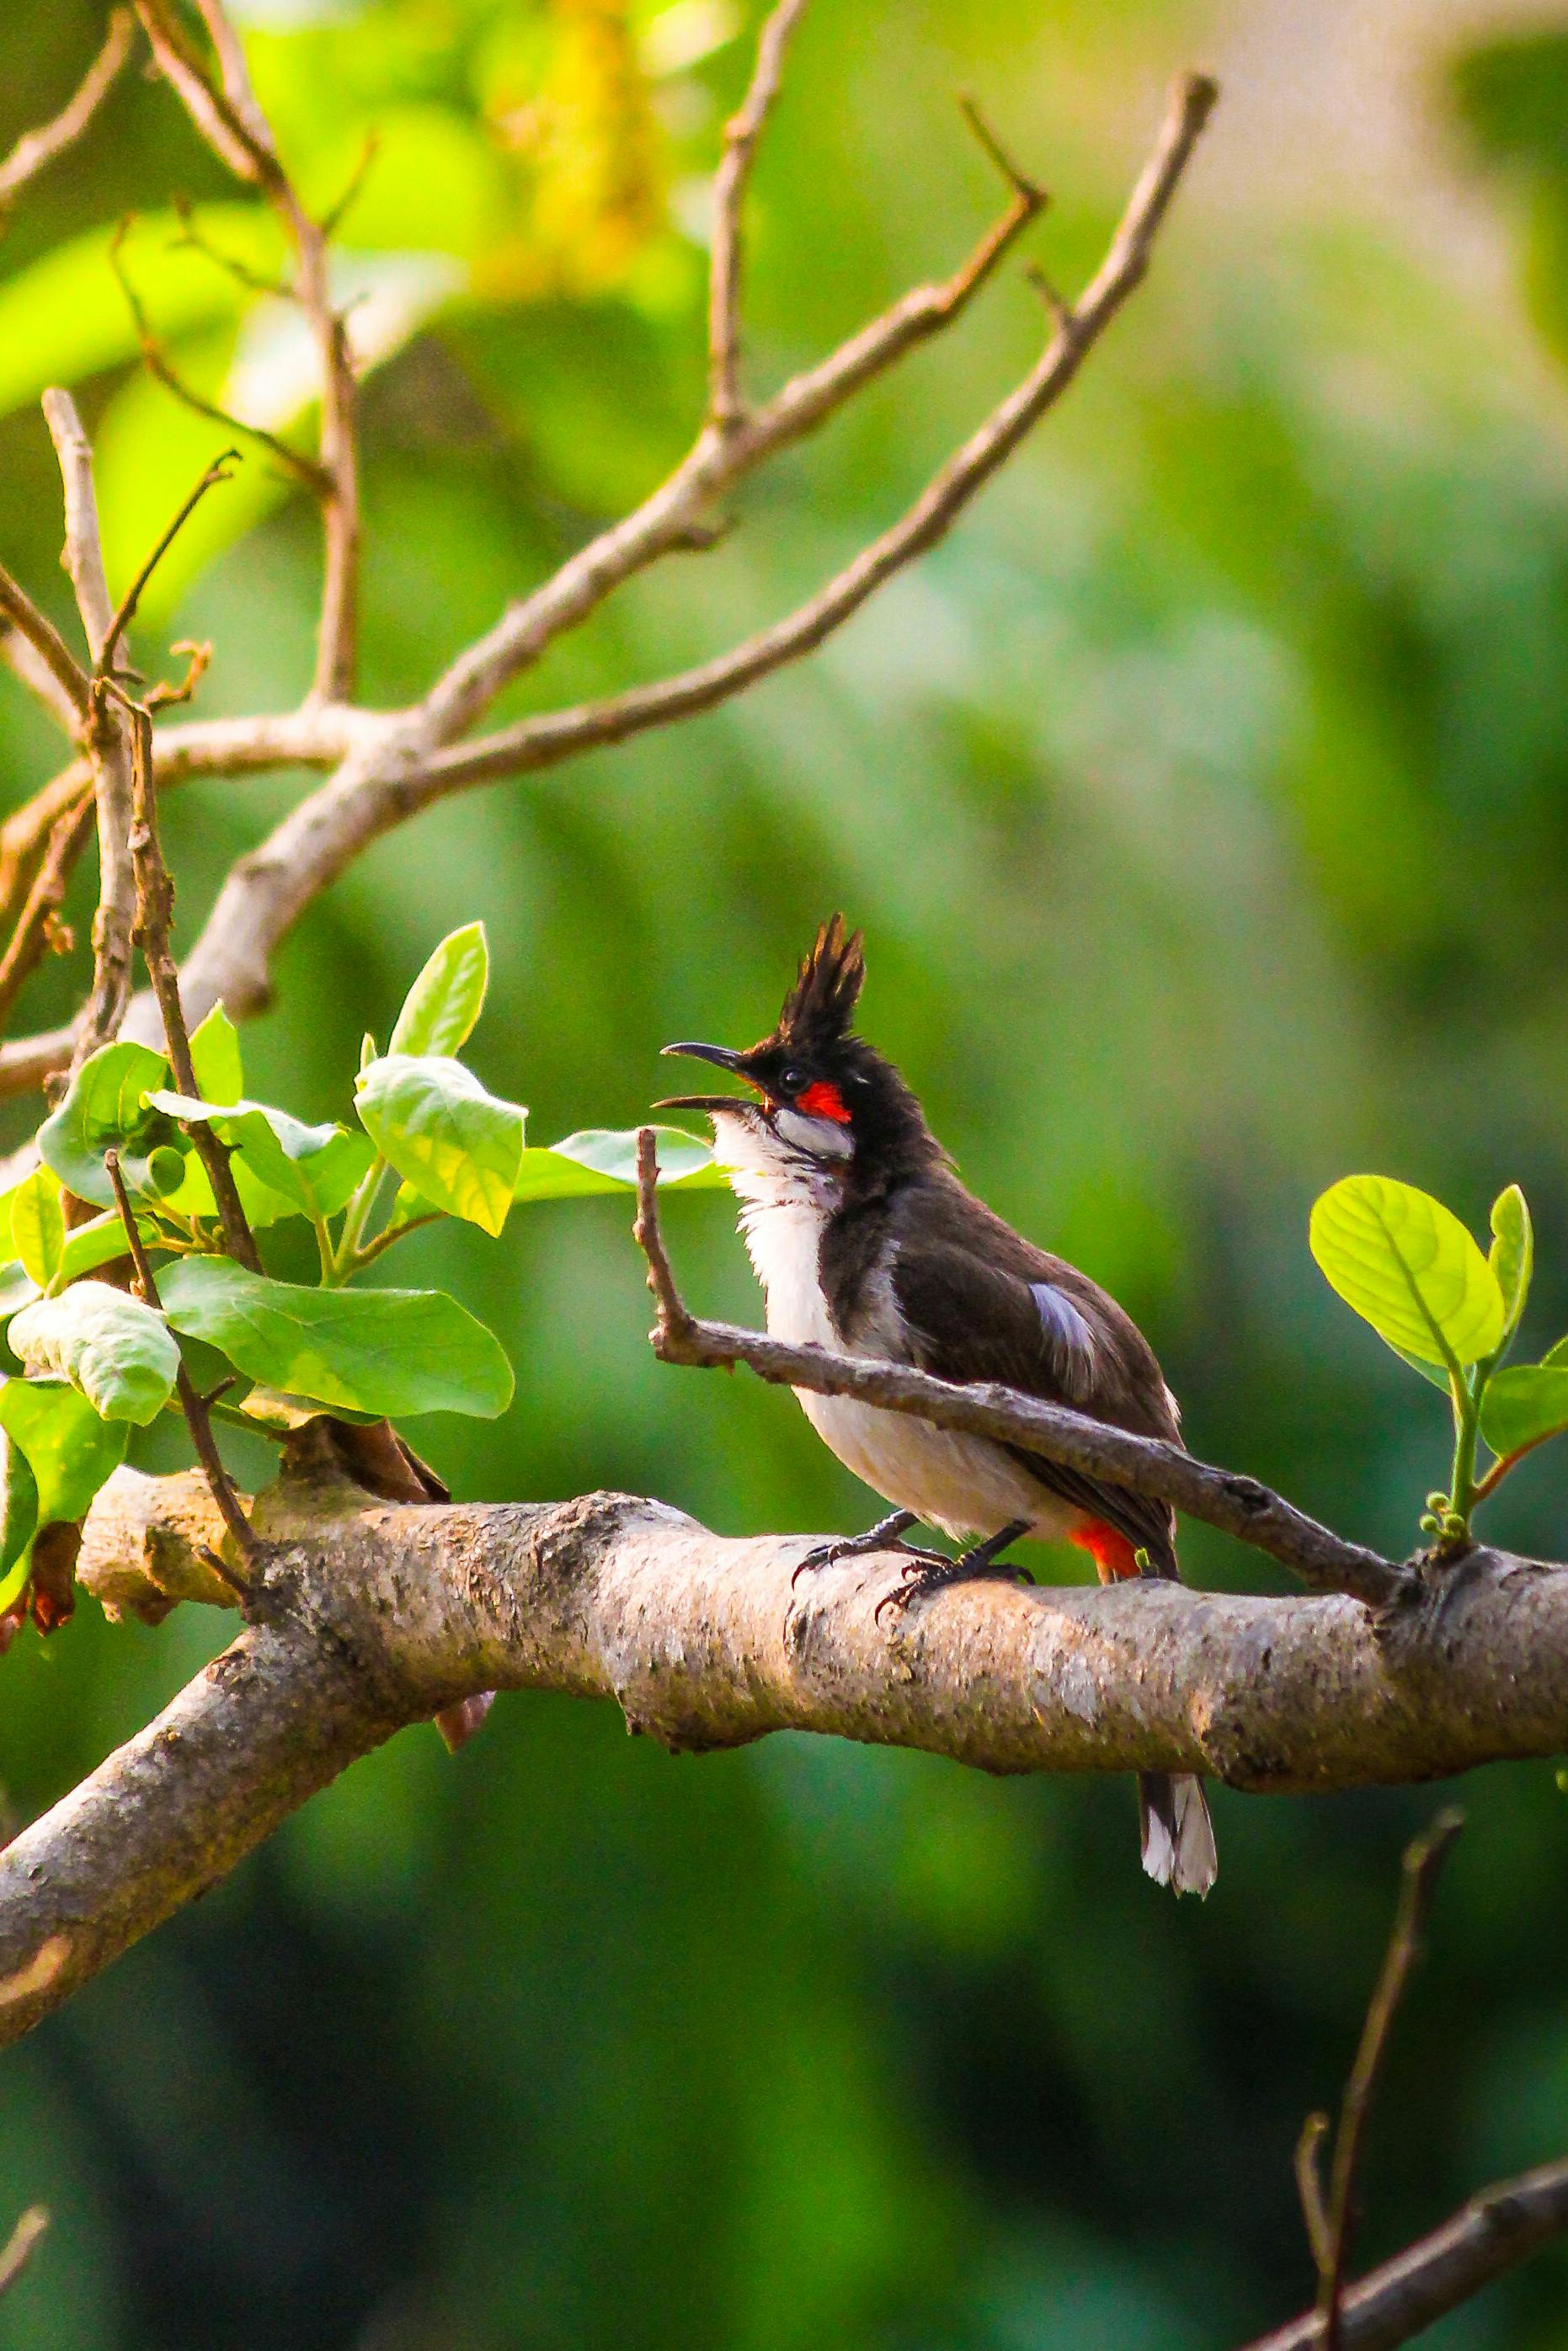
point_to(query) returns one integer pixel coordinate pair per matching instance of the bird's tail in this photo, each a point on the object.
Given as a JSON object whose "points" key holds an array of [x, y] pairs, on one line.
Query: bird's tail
{"points": [[1177, 1834]]}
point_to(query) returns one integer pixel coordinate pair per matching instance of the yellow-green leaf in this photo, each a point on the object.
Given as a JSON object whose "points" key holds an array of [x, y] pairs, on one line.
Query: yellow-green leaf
{"points": [[1408, 1267]]}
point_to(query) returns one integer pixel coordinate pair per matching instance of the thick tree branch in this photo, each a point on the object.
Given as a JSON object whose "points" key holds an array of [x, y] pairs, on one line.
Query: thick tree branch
{"points": [[378, 1615], [36, 149]]}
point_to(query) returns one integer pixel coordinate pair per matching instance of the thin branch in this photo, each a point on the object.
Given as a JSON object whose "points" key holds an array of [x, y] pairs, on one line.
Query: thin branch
{"points": [[108, 738], [36, 149], [196, 1408], [192, 240], [1238, 1506], [161, 369], [154, 917], [21, 2245], [234, 125], [1492, 2233], [1418, 1882], [220, 470], [673, 517], [38, 923], [63, 669], [731, 183]]}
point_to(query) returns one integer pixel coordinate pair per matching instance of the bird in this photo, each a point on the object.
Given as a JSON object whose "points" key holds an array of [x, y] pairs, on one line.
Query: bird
{"points": [[865, 1241]]}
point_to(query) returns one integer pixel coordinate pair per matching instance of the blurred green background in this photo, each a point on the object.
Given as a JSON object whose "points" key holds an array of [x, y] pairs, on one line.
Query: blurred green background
{"points": [[1205, 800]]}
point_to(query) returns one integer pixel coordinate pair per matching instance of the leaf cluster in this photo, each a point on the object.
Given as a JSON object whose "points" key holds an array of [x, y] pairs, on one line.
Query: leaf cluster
{"points": [[428, 1139], [1408, 1267]]}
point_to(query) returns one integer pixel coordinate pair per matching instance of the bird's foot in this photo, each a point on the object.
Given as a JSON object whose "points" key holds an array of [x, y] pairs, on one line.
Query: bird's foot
{"points": [[883, 1536], [927, 1572]]}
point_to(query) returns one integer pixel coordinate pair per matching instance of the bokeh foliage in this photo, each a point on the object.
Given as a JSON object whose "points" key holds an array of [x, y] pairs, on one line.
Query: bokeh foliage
{"points": [[1204, 802]]}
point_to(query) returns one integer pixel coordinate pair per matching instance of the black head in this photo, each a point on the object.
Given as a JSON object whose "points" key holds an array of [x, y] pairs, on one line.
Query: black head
{"points": [[824, 1094]]}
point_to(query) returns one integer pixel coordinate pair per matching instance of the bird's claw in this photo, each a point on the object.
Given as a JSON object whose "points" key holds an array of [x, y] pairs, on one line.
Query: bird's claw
{"points": [[829, 1554], [929, 1572]]}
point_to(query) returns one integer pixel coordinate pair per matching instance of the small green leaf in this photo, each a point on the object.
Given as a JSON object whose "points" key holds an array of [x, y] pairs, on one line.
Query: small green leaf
{"points": [[117, 1351], [71, 1449], [215, 1058], [38, 1224], [603, 1159], [7, 1245], [311, 1171], [1524, 1405], [1513, 1254], [1408, 1267], [367, 1049], [392, 1352], [445, 1000], [19, 1498], [106, 1110], [99, 1242], [458, 1146]]}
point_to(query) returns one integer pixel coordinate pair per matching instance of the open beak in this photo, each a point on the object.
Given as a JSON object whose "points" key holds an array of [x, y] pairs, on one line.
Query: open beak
{"points": [[723, 1058]]}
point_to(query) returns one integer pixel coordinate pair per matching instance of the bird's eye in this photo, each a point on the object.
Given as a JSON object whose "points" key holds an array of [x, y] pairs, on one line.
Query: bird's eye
{"points": [[792, 1080]]}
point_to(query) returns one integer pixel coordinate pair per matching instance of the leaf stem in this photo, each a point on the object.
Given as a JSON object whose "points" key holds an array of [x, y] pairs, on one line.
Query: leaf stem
{"points": [[356, 1216]]}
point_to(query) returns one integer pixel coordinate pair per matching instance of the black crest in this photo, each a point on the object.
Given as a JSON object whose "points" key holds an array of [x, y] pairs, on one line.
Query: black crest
{"points": [[821, 1005]]}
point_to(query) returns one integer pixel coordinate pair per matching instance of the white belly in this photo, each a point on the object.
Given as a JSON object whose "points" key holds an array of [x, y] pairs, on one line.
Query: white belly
{"points": [[964, 1485]]}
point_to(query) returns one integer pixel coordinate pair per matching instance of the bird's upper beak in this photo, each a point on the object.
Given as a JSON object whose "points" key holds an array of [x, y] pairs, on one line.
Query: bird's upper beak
{"points": [[724, 1058]]}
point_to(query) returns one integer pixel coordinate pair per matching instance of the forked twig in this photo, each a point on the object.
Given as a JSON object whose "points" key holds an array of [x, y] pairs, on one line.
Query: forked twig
{"points": [[1422, 1860], [733, 178], [1238, 1506]]}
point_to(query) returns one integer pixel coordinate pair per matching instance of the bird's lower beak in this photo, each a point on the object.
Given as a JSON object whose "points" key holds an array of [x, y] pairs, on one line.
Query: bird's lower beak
{"points": [[724, 1058]]}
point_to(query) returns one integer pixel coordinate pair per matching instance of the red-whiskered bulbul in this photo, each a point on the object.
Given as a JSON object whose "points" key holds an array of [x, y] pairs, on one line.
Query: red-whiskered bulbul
{"points": [[866, 1242]]}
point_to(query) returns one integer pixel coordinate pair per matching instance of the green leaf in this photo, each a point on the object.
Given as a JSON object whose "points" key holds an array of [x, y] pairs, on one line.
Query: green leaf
{"points": [[1513, 1254], [7, 1245], [117, 1351], [16, 1289], [71, 1449], [106, 1110], [215, 1058], [38, 1224], [603, 1159], [390, 1352], [458, 1146], [1408, 1267], [99, 1242], [309, 1170], [19, 1498], [1522, 1404], [442, 1007]]}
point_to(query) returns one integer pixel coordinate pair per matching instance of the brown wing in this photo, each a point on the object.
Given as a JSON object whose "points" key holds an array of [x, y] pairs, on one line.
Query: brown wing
{"points": [[980, 1303]]}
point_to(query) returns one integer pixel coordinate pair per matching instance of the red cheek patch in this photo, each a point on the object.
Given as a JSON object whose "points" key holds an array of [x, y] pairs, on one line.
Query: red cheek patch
{"points": [[822, 1100]]}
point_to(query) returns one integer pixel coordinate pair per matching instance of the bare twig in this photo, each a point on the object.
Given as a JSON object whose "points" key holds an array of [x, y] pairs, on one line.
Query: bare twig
{"points": [[731, 181], [159, 366], [1496, 2229], [234, 125], [196, 1409], [39, 919], [1238, 1506], [21, 2245], [1422, 1860], [220, 470], [192, 240], [154, 917], [108, 738], [36, 149], [63, 671], [1309, 2188]]}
